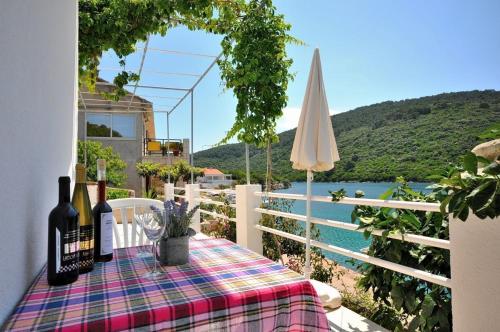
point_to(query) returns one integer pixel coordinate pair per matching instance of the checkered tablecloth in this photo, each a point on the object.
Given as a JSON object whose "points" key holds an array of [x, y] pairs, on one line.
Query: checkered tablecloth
{"points": [[224, 287]]}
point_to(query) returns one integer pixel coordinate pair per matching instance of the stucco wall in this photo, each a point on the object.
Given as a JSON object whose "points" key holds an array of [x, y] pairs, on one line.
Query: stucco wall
{"points": [[475, 273], [130, 150], [38, 59]]}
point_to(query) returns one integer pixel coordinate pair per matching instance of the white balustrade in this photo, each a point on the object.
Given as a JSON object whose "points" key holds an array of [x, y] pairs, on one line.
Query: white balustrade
{"points": [[192, 196], [168, 190], [247, 235], [475, 262]]}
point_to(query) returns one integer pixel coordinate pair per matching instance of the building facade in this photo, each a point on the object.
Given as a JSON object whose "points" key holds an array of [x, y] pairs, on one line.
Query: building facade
{"points": [[213, 178], [128, 126]]}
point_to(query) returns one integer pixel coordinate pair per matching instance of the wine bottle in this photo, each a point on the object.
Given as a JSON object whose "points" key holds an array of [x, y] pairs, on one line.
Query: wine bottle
{"points": [[81, 202], [103, 219], [64, 229]]}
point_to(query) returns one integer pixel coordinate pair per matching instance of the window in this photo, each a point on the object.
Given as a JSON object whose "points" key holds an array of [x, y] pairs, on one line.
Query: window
{"points": [[110, 125], [123, 125]]}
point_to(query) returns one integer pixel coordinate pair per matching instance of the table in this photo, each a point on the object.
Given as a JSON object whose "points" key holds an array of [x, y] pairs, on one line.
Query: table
{"points": [[224, 287]]}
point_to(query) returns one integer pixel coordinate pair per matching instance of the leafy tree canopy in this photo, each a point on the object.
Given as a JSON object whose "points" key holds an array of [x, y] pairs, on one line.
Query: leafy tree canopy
{"points": [[181, 170], [147, 168], [115, 166], [254, 62]]}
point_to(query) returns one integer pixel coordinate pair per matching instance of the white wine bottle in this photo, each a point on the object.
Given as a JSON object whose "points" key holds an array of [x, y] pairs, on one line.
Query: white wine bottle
{"points": [[81, 202]]}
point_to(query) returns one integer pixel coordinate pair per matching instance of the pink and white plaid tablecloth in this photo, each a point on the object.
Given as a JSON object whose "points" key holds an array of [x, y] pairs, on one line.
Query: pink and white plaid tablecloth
{"points": [[224, 287]]}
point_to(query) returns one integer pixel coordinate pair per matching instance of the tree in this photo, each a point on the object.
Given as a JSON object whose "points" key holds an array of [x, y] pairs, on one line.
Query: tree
{"points": [[115, 166], [254, 62], [147, 170], [255, 65], [119, 25], [181, 170]]}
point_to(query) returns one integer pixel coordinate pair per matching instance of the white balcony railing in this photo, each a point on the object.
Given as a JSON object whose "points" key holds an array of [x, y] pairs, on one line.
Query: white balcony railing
{"points": [[474, 260]]}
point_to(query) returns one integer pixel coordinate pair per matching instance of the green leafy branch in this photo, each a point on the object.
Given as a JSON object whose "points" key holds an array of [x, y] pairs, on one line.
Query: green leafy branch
{"points": [[470, 189]]}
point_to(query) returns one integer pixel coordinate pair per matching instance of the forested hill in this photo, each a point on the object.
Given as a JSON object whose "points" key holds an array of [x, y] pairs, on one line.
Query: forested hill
{"points": [[413, 138]]}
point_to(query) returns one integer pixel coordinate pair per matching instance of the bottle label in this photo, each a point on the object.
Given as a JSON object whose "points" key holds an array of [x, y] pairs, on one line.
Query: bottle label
{"points": [[58, 250], [106, 233], [86, 246], [67, 248]]}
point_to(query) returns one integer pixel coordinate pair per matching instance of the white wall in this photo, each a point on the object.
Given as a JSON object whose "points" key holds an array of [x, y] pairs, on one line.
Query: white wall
{"points": [[38, 62], [475, 273]]}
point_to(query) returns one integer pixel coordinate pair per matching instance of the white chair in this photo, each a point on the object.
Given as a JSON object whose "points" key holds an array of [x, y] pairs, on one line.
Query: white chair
{"points": [[128, 235]]}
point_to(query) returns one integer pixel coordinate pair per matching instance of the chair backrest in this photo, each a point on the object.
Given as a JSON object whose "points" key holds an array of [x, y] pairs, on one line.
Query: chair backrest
{"points": [[128, 234]]}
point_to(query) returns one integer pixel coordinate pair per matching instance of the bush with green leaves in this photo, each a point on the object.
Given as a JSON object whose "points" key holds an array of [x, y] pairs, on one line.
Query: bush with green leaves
{"points": [[277, 247], [362, 302], [470, 190], [181, 170], [116, 193], [424, 306], [220, 227], [115, 166]]}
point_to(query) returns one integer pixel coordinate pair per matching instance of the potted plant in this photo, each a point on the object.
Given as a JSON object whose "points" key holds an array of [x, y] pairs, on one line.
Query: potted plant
{"points": [[175, 148], [174, 245]]}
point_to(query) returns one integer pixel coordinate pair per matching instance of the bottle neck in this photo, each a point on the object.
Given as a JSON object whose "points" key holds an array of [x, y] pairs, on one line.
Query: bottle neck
{"points": [[101, 191], [64, 192]]}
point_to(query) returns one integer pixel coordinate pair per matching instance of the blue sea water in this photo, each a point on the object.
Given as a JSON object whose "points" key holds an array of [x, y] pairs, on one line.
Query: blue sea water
{"points": [[340, 212]]}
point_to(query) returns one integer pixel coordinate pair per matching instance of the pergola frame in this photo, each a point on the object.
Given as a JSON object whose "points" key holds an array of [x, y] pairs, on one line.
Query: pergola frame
{"points": [[188, 92]]}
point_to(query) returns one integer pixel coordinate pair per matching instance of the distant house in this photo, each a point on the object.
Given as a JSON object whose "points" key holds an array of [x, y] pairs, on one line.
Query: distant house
{"points": [[213, 178], [128, 126]]}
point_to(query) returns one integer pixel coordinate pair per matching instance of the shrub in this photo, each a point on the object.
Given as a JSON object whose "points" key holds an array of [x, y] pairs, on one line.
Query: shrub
{"points": [[277, 247], [424, 305], [115, 166], [116, 193], [220, 227]]}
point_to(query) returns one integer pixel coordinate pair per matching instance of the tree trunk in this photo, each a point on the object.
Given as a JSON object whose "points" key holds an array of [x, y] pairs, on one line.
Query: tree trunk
{"points": [[269, 169], [147, 183]]}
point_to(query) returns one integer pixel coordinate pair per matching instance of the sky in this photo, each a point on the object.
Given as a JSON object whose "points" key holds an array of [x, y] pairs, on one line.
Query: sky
{"points": [[371, 51]]}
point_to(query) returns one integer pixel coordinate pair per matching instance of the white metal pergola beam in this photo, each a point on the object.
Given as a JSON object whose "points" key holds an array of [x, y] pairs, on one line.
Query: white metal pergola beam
{"points": [[188, 92], [145, 50]]}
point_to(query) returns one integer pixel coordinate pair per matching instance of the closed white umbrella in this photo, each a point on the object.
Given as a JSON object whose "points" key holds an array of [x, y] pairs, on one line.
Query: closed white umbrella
{"points": [[314, 147]]}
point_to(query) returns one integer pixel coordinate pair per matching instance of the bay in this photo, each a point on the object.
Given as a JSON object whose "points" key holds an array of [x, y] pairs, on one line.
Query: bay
{"points": [[340, 212]]}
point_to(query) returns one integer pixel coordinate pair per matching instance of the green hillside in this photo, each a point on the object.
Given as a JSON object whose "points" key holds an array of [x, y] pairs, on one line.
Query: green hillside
{"points": [[414, 138]]}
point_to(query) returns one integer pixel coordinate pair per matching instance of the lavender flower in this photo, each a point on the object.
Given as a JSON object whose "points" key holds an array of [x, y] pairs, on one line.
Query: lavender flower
{"points": [[178, 219]]}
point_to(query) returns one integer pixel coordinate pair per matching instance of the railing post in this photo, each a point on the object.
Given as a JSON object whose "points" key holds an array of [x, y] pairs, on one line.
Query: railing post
{"points": [[475, 273], [168, 190], [246, 218], [192, 196]]}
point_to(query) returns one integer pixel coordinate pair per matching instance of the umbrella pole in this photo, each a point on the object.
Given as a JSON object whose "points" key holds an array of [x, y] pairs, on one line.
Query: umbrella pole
{"points": [[307, 269]]}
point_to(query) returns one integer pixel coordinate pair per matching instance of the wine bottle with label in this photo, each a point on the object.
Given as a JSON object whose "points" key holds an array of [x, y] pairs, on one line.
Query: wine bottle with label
{"points": [[103, 219], [64, 232], [81, 202]]}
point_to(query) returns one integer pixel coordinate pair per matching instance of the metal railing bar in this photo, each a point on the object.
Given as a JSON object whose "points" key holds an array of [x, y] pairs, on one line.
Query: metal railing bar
{"points": [[217, 191], [180, 52], [420, 206], [164, 73], [413, 238], [433, 278], [116, 101], [209, 201], [217, 215], [145, 86]]}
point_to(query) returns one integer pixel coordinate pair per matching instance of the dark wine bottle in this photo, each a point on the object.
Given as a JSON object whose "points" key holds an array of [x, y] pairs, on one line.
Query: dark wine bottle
{"points": [[81, 202], [64, 232], [103, 219]]}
